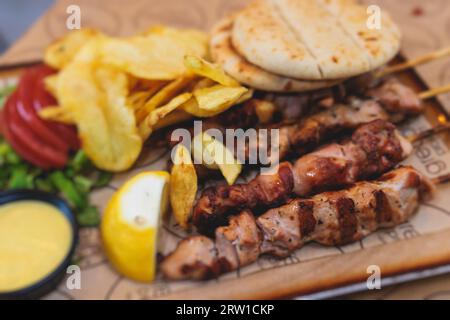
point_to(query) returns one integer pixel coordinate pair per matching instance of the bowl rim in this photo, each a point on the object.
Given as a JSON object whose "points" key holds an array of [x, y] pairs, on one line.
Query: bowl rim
{"points": [[49, 282]]}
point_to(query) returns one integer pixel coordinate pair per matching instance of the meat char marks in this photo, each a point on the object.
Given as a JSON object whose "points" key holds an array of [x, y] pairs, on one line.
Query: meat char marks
{"points": [[329, 218], [373, 149]]}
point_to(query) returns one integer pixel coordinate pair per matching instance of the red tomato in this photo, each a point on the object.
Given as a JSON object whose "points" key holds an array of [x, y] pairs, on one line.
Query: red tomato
{"points": [[2, 123], [24, 143], [29, 116], [43, 143], [42, 98]]}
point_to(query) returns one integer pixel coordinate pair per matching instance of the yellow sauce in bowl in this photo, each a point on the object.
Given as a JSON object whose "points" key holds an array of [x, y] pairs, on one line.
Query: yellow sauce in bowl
{"points": [[35, 238]]}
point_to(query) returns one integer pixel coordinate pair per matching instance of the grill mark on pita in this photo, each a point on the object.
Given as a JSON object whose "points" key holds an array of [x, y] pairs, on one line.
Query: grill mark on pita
{"points": [[245, 72], [282, 19], [346, 32]]}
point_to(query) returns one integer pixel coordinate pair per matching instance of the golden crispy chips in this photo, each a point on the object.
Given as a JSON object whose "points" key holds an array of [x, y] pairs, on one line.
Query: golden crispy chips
{"points": [[61, 53], [96, 98], [117, 91]]}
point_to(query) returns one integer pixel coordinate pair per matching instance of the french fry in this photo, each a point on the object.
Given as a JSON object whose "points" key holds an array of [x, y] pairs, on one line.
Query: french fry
{"points": [[208, 102], [175, 117], [163, 96], [208, 70], [58, 114], [147, 126]]}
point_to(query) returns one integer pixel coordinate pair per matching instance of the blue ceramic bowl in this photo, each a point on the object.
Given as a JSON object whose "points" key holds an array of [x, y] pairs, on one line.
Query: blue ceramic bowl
{"points": [[48, 283]]}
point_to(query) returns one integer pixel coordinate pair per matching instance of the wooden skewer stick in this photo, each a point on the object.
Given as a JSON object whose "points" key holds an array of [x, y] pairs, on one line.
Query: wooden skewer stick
{"points": [[414, 62], [441, 179], [434, 92], [429, 132]]}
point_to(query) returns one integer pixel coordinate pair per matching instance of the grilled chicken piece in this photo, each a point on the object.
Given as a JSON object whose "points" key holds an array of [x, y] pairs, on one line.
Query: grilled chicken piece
{"points": [[330, 218], [396, 98], [310, 133], [195, 258], [373, 149], [391, 101], [345, 216], [237, 244]]}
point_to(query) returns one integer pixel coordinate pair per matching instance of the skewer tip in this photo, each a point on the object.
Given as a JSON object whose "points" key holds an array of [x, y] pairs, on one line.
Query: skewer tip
{"points": [[441, 179], [429, 132]]}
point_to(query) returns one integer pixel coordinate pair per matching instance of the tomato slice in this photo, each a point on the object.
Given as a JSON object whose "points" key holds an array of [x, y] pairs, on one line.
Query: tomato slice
{"points": [[2, 123], [22, 149], [29, 116], [42, 98], [26, 144]]}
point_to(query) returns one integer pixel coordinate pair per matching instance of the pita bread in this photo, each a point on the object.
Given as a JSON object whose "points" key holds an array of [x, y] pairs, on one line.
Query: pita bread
{"points": [[223, 53], [264, 39], [313, 39], [381, 45]]}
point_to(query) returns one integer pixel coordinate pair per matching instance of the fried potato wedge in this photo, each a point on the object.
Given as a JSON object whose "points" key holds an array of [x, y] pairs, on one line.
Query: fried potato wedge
{"points": [[208, 102], [147, 126], [175, 117], [58, 114], [183, 185], [163, 96], [213, 154], [201, 67], [203, 151], [60, 53]]}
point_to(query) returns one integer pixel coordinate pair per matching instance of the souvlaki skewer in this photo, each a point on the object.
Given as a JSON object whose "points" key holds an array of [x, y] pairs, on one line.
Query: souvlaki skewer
{"points": [[391, 101], [329, 218], [373, 149]]}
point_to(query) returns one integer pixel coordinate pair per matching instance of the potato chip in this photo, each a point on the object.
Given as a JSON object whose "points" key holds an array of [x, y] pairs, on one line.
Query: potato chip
{"points": [[163, 96], [146, 127], [96, 96], [208, 70], [56, 113], [119, 90], [208, 102], [61, 53], [157, 55], [195, 40], [183, 186]]}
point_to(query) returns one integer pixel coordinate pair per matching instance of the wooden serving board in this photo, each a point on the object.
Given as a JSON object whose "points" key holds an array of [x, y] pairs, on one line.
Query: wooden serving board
{"points": [[422, 243]]}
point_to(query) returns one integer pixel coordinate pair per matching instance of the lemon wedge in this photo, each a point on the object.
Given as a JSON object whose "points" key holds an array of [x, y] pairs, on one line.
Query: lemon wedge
{"points": [[130, 223]]}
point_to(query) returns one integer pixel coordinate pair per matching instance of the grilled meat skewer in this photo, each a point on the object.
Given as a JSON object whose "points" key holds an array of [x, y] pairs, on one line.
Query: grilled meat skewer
{"points": [[373, 149], [329, 218], [391, 101]]}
